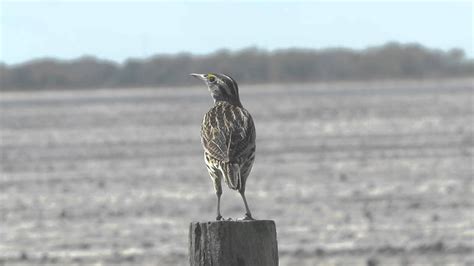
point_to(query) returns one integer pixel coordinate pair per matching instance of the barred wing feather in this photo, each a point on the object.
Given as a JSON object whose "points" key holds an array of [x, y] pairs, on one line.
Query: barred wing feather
{"points": [[228, 133]]}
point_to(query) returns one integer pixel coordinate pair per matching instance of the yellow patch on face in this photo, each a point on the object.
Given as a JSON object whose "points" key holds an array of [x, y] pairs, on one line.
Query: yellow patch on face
{"points": [[211, 77]]}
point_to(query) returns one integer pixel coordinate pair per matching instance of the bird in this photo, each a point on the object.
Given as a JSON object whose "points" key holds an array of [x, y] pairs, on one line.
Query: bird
{"points": [[228, 138]]}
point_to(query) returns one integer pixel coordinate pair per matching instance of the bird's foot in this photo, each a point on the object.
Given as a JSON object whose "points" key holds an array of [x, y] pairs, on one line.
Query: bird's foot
{"points": [[248, 217], [219, 218]]}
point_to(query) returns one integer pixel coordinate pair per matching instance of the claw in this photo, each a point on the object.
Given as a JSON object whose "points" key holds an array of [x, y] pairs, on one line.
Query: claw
{"points": [[219, 218], [248, 217]]}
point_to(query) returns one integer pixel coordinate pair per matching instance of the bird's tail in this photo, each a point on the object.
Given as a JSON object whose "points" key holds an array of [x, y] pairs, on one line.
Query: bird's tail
{"points": [[231, 173]]}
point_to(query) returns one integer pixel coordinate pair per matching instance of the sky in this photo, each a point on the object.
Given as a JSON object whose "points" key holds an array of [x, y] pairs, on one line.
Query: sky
{"points": [[117, 30]]}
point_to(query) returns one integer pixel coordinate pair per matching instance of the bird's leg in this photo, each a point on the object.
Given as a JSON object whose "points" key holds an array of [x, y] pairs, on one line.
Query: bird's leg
{"points": [[218, 188], [219, 216], [248, 215]]}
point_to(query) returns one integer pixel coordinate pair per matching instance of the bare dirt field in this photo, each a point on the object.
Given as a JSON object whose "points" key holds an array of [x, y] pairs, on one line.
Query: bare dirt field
{"points": [[352, 173]]}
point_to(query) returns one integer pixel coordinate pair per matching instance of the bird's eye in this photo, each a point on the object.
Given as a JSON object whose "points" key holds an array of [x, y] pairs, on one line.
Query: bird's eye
{"points": [[212, 79]]}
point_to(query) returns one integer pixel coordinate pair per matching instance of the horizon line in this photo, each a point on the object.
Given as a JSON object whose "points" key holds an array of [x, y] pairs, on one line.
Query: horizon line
{"points": [[230, 50]]}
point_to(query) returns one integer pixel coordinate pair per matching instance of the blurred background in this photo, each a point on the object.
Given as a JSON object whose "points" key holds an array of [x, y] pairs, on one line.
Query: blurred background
{"points": [[363, 111]]}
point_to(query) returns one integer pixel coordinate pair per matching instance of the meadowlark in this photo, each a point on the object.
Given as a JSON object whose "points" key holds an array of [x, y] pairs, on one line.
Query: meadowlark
{"points": [[228, 138]]}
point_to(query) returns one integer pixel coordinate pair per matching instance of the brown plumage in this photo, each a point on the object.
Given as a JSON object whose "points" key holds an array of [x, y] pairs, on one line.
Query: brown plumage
{"points": [[228, 137]]}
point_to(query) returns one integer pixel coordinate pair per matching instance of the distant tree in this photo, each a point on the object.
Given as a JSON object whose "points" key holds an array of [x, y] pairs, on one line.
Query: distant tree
{"points": [[251, 65]]}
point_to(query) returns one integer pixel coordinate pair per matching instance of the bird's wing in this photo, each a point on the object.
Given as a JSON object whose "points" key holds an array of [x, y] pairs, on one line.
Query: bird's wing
{"points": [[227, 132]]}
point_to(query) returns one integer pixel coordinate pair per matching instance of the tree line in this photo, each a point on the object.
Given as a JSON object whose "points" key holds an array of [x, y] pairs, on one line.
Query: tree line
{"points": [[250, 65]]}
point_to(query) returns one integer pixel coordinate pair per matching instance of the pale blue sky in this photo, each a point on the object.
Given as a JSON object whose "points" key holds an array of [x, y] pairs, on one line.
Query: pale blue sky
{"points": [[119, 30]]}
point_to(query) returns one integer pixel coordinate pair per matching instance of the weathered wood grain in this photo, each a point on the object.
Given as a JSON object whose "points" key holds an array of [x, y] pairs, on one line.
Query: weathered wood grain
{"points": [[233, 243]]}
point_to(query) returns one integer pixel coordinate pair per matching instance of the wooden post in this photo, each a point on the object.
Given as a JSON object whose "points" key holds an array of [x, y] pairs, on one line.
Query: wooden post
{"points": [[233, 243]]}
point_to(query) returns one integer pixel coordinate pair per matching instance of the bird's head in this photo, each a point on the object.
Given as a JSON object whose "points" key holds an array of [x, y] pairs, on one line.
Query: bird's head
{"points": [[221, 86]]}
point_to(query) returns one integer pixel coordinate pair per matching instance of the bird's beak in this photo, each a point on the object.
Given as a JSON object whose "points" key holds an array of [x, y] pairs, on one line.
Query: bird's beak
{"points": [[199, 76]]}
